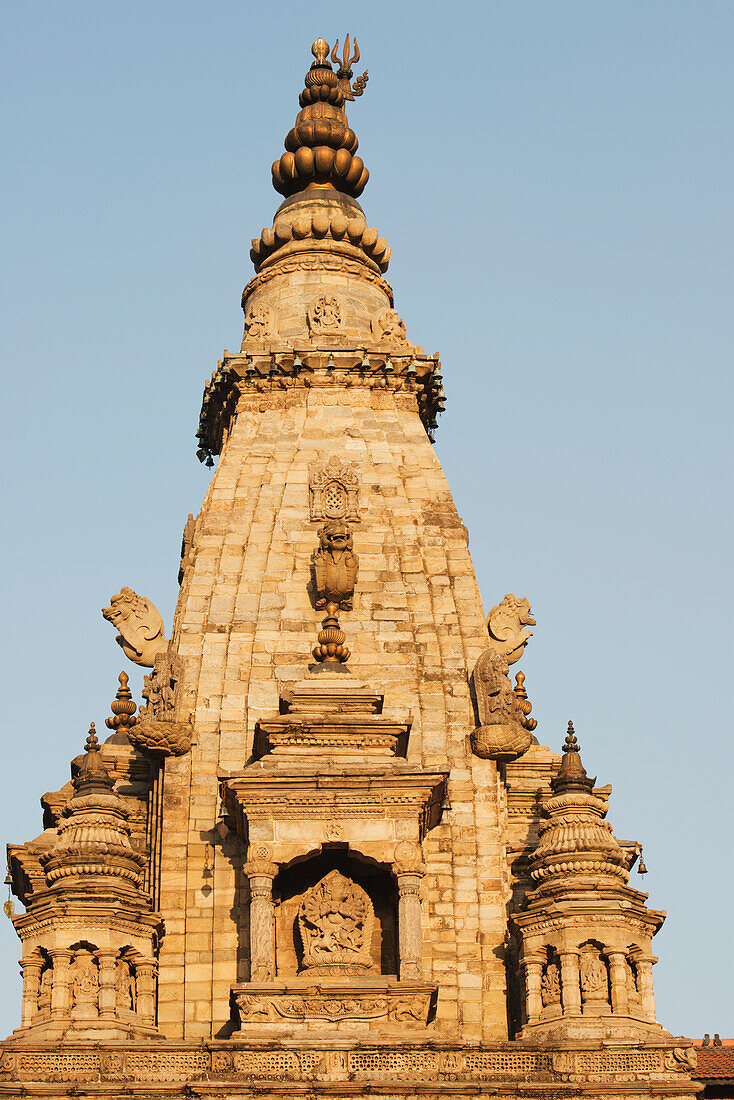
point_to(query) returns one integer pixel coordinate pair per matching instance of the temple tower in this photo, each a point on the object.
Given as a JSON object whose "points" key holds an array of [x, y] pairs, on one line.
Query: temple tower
{"points": [[329, 853]]}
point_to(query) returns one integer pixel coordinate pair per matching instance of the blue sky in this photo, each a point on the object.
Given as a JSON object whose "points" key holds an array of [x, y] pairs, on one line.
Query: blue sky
{"points": [[555, 181]]}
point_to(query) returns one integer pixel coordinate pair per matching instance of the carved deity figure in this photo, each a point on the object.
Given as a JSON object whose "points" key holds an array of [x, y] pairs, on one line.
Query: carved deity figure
{"points": [[140, 625], [258, 323], [324, 315], [335, 566], [594, 977], [387, 324], [44, 989], [85, 984], [550, 986], [633, 992], [335, 920], [505, 624], [502, 734], [124, 986]]}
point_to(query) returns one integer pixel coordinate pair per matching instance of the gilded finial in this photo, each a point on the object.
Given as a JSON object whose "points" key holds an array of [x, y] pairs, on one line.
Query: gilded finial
{"points": [[345, 71], [330, 649], [123, 707], [523, 703], [320, 50]]}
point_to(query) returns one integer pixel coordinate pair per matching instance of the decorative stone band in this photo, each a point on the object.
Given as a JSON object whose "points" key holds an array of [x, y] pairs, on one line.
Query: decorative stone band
{"points": [[391, 1004], [288, 367], [665, 1069], [331, 226]]}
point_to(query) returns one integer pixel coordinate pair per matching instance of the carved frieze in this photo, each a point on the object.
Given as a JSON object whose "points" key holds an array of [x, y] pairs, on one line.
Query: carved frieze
{"points": [[333, 490], [389, 1003]]}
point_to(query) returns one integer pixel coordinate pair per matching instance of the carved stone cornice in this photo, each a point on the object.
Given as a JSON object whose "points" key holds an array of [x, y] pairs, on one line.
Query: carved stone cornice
{"points": [[319, 792], [380, 1003], [662, 1069]]}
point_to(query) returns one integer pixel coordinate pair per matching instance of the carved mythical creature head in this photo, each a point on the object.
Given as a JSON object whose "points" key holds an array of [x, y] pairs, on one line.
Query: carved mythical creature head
{"points": [[505, 624], [336, 535]]}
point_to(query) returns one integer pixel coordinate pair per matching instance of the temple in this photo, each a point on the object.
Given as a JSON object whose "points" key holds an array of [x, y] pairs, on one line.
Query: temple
{"points": [[327, 853]]}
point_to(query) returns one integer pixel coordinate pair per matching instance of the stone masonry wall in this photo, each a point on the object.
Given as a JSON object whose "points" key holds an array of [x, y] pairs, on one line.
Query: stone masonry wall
{"points": [[245, 621]]}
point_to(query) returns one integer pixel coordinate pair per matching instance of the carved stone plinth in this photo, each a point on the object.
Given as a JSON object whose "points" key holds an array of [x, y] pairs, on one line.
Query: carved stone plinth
{"points": [[162, 738], [350, 1005]]}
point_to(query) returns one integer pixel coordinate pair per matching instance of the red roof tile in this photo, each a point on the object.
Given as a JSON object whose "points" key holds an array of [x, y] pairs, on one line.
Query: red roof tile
{"points": [[715, 1062]]}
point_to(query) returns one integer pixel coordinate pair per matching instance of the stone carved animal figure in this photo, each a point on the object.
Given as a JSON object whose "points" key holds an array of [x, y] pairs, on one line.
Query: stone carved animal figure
{"points": [[505, 624], [140, 625], [335, 566]]}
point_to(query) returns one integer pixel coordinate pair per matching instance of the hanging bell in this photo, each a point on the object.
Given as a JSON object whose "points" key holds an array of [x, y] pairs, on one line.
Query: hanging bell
{"points": [[641, 868]]}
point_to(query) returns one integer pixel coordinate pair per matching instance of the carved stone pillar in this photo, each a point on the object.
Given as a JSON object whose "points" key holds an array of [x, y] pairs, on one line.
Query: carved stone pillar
{"points": [[145, 975], [60, 989], [31, 971], [570, 983], [261, 872], [409, 869], [533, 967], [107, 991], [644, 984], [618, 982]]}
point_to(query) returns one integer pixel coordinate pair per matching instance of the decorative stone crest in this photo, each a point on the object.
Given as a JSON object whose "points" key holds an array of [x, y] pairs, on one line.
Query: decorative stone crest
{"points": [[333, 490], [335, 921], [140, 625], [388, 325], [505, 624], [324, 316]]}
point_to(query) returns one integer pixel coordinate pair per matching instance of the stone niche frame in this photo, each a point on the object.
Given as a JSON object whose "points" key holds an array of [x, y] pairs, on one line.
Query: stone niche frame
{"points": [[333, 490], [378, 815]]}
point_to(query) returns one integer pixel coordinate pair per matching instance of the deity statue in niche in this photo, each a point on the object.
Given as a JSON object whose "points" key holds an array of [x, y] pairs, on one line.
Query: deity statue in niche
{"points": [[335, 920], [124, 986], [85, 984]]}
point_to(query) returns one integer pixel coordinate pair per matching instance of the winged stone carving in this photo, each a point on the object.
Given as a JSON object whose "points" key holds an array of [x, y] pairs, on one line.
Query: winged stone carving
{"points": [[505, 624], [139, 624]]}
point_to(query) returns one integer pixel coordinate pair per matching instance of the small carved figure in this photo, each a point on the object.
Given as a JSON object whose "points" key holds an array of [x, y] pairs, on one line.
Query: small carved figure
{"points": [[258, 324], [335, 921], [140, 625], [387, 324], [594, 977], [85, 984], [187, 541], [335, 566], [44, 989], [124, 986], [324, 315], [633, 992], [505, 624], [550, 985]]}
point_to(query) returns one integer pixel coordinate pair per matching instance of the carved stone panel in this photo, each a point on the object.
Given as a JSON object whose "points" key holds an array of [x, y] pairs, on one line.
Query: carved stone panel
{"points": [[333, 490], [388, 326], [325, 316], [259, 325], [335, 923]]}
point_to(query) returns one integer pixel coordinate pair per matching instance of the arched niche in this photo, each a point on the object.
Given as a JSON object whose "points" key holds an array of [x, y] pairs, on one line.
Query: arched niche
{"points": [[296, 878]]}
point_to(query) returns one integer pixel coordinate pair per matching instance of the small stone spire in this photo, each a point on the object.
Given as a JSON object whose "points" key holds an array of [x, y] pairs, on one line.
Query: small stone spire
{"points": [[92, 774], [572, 774], [123, 708], [321, 147]]}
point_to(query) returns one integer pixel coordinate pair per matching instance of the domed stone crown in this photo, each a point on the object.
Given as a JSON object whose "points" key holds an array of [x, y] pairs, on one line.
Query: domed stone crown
{"points": [[575, 840], [321, 148]]}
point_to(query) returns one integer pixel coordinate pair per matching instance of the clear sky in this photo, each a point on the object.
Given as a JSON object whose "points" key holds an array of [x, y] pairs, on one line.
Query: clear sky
{"points": [[555, 181]]}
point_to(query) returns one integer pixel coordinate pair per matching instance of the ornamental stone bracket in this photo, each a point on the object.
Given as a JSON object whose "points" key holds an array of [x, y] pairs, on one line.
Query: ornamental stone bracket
{"points": [[350, 1006]]}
